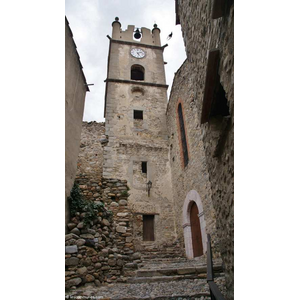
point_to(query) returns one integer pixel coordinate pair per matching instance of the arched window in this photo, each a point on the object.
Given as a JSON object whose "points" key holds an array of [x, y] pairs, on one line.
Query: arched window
{"points": [[184, 148], [137, 72]]}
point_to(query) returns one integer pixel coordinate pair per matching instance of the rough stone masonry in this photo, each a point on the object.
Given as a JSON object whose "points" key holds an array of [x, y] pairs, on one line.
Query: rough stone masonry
{"points": [[187, 146], [207, 29]]}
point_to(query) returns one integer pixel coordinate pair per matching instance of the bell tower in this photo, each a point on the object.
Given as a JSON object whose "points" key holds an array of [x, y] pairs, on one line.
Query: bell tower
{"points": [[137, 149]]}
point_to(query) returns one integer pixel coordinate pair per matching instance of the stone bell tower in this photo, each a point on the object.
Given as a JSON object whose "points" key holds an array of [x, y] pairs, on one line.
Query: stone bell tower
{"points": [[135, 113]]}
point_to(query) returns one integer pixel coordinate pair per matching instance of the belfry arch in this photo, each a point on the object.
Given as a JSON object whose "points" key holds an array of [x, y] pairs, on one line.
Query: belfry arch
{"points": [[193, 204]]}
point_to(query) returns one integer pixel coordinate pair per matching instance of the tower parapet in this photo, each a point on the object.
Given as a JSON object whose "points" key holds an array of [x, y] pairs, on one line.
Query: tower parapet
{"points": [[156, 35], [148, 37], [116, 28]]}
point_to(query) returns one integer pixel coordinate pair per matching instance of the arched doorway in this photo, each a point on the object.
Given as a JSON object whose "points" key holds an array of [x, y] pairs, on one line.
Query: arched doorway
{"points": [[196, 231], [194, 225]]}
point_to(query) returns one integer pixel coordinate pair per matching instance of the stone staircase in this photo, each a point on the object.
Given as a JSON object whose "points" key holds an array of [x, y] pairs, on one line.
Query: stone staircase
{"points": [[160, 275], [162, 279], [173, 251], [166, 269]]}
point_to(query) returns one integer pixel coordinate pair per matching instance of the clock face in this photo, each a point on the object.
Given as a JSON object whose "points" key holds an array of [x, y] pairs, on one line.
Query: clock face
{"points": [[138, 53]]}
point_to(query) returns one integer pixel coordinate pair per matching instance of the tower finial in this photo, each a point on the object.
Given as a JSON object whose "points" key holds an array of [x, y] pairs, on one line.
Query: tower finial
{"points": [[116, 21]]}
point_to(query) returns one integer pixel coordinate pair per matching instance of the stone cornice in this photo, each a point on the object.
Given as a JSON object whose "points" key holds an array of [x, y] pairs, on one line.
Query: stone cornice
{"points": [[136, 82], [137, 44]]}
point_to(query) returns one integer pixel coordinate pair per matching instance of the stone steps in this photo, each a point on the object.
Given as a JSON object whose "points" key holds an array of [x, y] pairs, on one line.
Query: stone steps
{"points": [[148, 279], [163, 270], [198, 296], [177, 271]]}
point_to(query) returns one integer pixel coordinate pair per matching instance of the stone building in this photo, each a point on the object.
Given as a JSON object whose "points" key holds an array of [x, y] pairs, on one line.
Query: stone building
{"points": [[135, 113], [75, 91], [164, 169], [200, 120]]}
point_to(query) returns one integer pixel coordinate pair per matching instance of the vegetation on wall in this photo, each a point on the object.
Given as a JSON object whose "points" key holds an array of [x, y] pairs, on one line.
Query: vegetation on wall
{"points": [[91, 209], [125, 194]]}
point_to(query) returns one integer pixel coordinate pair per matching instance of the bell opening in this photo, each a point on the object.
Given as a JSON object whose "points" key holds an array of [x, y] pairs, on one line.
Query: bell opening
{"points": [[137, 34]]}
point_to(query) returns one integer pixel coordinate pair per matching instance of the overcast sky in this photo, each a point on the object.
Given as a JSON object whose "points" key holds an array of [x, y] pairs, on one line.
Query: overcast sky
{"points": [[90, 22]]}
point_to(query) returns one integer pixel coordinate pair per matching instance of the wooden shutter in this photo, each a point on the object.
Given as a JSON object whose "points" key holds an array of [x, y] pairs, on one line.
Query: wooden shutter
{"points": [[210, 83], [218, 9]]}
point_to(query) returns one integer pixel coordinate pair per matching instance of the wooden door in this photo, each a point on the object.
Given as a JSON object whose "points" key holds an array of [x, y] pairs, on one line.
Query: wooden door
{"points": [[148, 227], [196, 231]]}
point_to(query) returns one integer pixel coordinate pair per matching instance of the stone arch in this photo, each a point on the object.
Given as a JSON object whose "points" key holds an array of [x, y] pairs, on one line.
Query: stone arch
{"points": [[192, 197]]}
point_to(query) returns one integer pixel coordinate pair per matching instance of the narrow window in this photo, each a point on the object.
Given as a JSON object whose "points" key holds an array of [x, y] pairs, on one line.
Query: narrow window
{"points": [[144, 167], [148, 227], [138, 114], [137, 72], [183, 137]]}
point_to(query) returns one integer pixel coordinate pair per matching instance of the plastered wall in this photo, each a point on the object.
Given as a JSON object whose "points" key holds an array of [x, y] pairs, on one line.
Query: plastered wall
{"points": [[75, 91]]}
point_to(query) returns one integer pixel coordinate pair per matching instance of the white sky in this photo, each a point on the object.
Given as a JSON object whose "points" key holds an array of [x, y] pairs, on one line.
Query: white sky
{"points": [[90, 22]]}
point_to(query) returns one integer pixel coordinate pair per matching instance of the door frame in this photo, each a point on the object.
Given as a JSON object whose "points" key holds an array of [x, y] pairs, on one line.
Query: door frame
{"points": [[191, 197]]}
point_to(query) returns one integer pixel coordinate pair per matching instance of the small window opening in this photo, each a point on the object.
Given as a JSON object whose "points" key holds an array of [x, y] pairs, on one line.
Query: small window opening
{"points": [[183, 137], [137, 72], [144, 167], [148, 227], [138, 114], [137, 35], [219, 106]]}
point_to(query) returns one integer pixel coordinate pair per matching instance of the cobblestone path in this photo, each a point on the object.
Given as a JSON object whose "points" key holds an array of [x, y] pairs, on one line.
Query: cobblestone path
{"points": [[157, 279], [188, 289]]}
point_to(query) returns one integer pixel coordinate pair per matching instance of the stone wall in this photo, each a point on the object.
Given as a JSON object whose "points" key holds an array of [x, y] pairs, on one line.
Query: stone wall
{"points": [[193, 177], [102, 251], [201, 34], [90, 158]]}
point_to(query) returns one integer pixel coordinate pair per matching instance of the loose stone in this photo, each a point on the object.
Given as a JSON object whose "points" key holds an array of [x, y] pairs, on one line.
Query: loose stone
{"points": [[89, 278], [75, 231], [71, 249], [71, 226], [121, 229], [73, 281], [82, 270], [123, 202], [105, 222], [80, 242], [72, 261]]}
